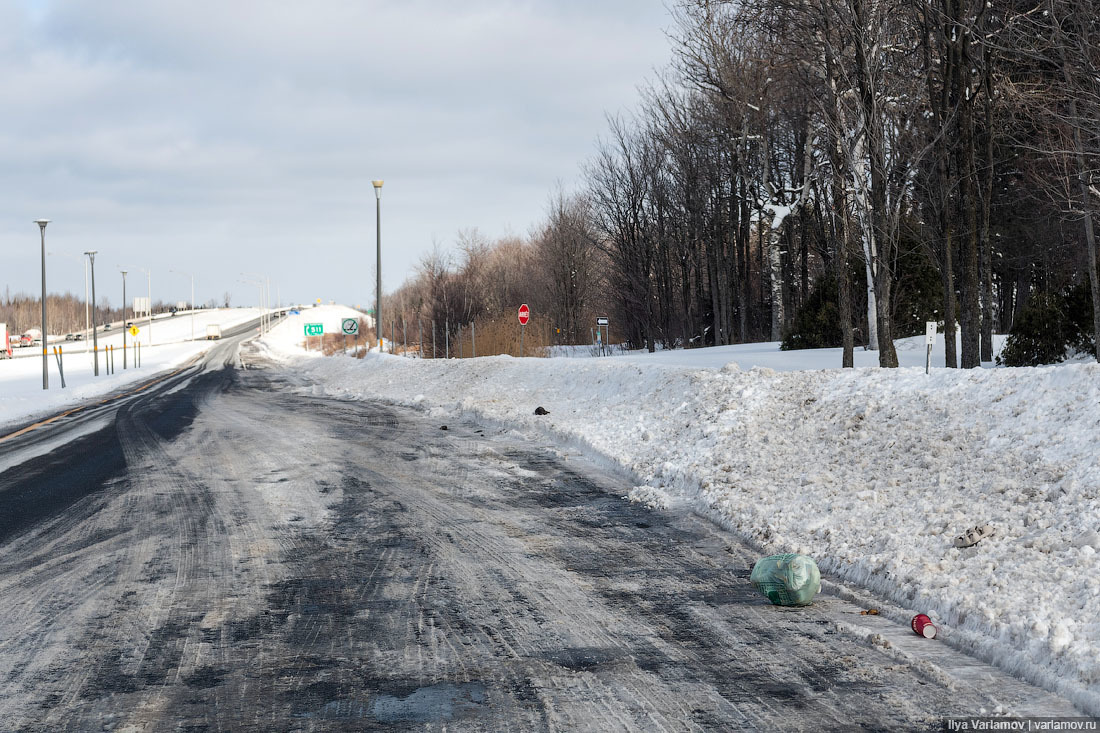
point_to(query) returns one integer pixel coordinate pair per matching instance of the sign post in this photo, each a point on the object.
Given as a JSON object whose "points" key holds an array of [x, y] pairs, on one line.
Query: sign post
{"points": [[524, 316], [315, 329], [929, 340], [57, 353], [602, 323], [350, 327]]}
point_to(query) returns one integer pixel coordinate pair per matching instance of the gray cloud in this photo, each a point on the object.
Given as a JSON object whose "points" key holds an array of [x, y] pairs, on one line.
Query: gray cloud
{"points": [[218, 137]]}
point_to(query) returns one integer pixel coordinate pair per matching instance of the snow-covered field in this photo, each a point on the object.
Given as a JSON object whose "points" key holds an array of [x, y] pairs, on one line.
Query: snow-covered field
{"points": [[21, 393], [911, 353], [872, 472]]}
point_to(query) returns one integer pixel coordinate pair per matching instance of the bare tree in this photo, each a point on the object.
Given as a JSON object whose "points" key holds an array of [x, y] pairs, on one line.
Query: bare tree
{"points": [[565, 250]]}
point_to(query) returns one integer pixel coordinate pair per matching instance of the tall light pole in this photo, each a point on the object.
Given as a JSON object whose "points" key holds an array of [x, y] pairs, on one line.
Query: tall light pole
{"points": [[87, 307], [187, 274], [265, 298], [260, 284], [45, 362], [378, 261], [124, 324], [84, 261], [149, 275], [95, 339]]}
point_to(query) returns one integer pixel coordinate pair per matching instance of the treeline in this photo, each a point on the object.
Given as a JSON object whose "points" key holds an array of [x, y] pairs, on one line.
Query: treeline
{"points": [[881, 162], [559, 271], [64, 313]]}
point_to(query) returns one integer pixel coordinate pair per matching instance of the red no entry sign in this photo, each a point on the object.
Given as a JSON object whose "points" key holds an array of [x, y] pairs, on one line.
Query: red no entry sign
{"points": [[524, 314]]}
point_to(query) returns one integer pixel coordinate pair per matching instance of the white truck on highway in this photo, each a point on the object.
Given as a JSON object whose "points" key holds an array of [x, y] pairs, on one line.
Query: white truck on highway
{"points": [[213, 331], [5, 342]]}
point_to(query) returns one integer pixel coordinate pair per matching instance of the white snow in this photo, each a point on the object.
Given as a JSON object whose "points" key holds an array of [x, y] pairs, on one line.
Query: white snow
{"points": [[873, 472], [21, 393]]}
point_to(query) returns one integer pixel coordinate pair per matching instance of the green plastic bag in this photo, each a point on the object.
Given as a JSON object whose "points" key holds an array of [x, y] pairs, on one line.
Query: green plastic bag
{"points": [[787, 580]]}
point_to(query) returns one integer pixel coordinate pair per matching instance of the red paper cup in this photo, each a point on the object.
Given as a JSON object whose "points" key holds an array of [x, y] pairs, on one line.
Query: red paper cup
{"points": [[923, 626]]}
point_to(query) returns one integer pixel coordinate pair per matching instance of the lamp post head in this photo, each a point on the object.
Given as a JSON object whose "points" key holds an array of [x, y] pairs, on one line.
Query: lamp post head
{"points": [[92, 254], [377, 188], [42, 223]]}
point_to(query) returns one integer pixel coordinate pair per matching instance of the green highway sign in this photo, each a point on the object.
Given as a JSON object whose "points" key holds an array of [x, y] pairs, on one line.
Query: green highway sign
{"points": [[315, 329], [349, 326]]}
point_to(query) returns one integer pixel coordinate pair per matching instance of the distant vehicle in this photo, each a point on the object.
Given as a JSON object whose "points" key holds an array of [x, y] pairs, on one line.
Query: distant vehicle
{"points": [[213, 332], [70, 337], [78, 337], [5, 342], [32, 337], [106, 326]]}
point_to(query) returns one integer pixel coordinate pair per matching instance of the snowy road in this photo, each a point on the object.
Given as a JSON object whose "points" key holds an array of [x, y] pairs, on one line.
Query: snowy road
{"points": [[221, 551]]}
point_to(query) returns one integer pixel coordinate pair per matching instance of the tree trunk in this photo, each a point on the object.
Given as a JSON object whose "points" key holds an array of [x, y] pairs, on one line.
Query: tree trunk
{"points": [[971, 309], [867, 236], [1023, 293], [1090, 233], [951, 358], [987, 200], [844, 283], [775, 277]]}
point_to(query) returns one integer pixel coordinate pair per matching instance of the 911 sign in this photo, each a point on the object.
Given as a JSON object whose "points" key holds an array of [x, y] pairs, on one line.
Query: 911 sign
{"points": [[524, 314]]}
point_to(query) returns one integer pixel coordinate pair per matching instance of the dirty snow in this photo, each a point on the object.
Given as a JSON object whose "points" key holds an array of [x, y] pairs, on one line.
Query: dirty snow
{"points": [[872, 472]]}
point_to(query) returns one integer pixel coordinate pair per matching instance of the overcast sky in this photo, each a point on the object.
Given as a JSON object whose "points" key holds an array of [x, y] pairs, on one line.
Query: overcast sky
{"points": [[221, 137]]}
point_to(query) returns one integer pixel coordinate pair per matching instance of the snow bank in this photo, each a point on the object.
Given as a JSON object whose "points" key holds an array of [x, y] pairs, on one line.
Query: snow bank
{"points": [[872, 472]]}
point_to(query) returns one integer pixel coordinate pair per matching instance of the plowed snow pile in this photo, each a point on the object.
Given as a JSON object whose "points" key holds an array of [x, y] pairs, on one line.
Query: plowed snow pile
{"points": [[872, 472]]}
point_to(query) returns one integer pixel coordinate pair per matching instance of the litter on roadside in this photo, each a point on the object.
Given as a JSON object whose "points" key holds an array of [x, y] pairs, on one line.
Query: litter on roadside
{"points": [[787, 580], [923, 626], [973, 536], [869, 612]]}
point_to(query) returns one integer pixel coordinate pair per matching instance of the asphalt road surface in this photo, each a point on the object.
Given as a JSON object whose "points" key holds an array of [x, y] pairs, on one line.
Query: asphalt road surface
{"points": [[227, 551]]}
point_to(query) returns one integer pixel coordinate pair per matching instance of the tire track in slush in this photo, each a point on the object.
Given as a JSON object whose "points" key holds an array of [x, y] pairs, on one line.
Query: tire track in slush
{"points": [[503, 580], [150, 645]]}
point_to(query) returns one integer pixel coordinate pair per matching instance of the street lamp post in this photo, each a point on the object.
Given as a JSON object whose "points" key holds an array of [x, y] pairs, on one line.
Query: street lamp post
{"points": [[265, 296], [45, 362], [84, 260], [95, 339], [124, 320], [87, 306], [149, 276], [259, 284], [187, 274], [378, 261]]}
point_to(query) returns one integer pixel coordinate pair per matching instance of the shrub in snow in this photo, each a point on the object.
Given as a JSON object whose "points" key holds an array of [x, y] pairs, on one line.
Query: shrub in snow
{"points": [[1049, 329], [817, 324], [1079, 311]]}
